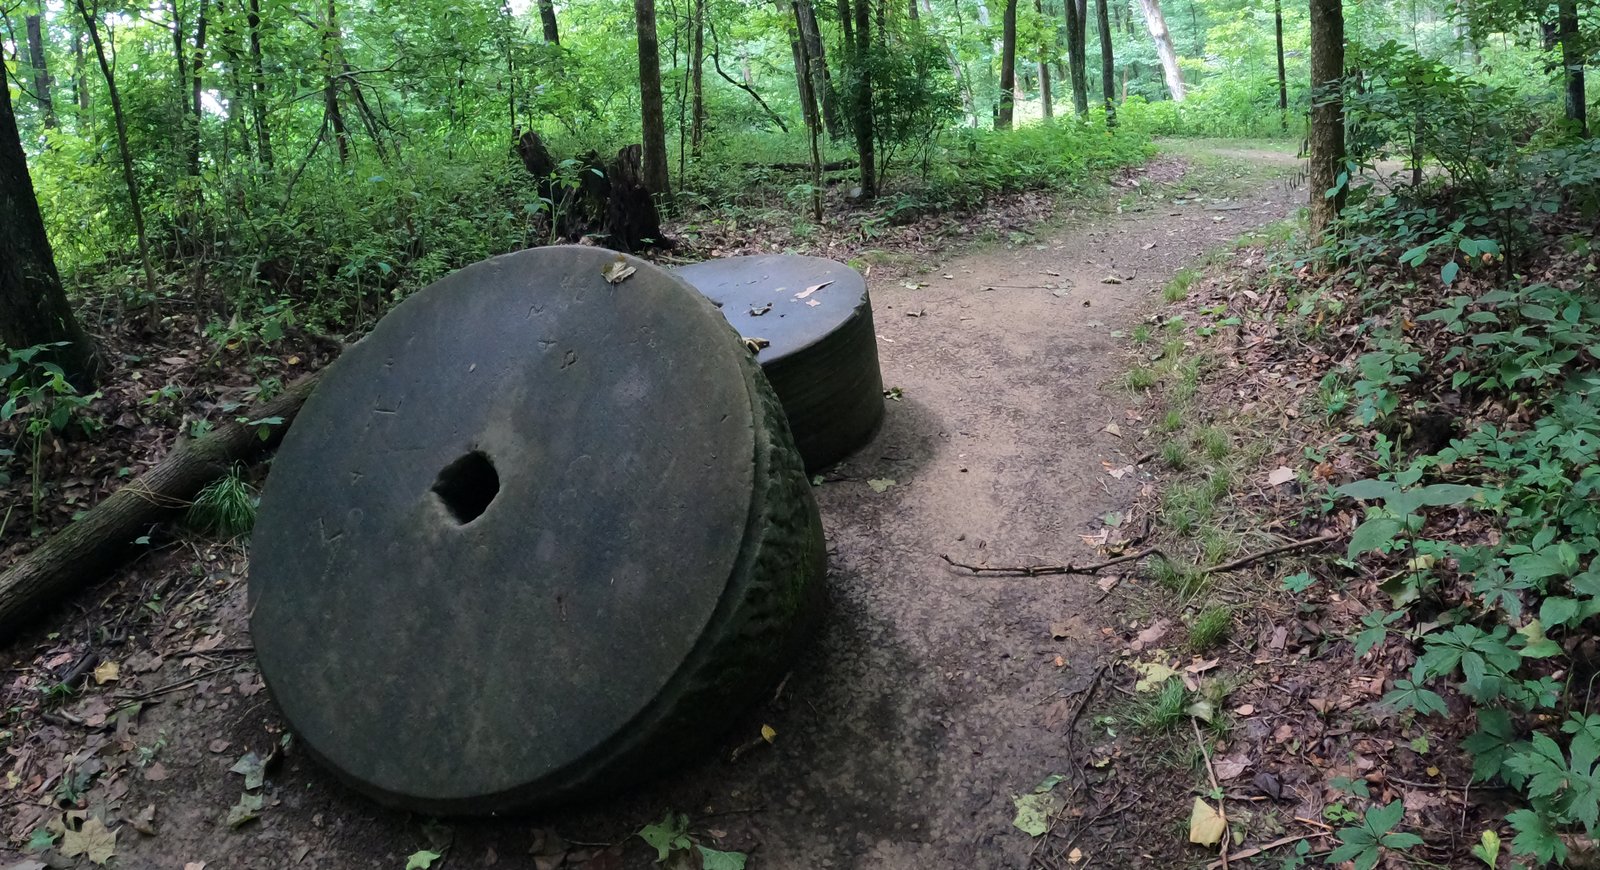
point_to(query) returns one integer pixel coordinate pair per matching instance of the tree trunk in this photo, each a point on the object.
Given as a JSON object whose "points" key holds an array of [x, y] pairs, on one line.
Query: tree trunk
{"points": [[33, 307], [1008, 65], [123, 148], [84, 551], [547, 15], [1108, 64], [653, 122], [911, 10], [41, 73], [334, 116], [1077, 53], [1046, 103], [865, 132], [1157, 23], [80, 81], [258, 86], [808, 97], [697, 68], [817, 63], [797, 52], [1327, 115], [1572, 57], [1283, 81], [198, 87]]}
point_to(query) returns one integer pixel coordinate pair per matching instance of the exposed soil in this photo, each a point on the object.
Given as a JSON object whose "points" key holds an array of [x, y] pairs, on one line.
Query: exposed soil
{"points": [[930, 699]]}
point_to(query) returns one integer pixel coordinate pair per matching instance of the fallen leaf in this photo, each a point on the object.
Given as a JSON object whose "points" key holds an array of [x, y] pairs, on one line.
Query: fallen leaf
{"points": [[252, 768], [814, 288], [248, 808], [1035, 809], [715, 859], [1108, 582], [1280, 476], [879, 484], [421, 860], [93, 841], [1206, 824], [1231, 766], [218, 746], [1268, 785], [195, 865], [106, 672], [1244, 709], [1155, 674], [155, 772], [1111, 279], [769, 733], [1202, 709], [1113, 429], [1075, 856], [1155, 632], [754, 345], [759, 310], [1120, 473], [618, 272], [145, 821]]}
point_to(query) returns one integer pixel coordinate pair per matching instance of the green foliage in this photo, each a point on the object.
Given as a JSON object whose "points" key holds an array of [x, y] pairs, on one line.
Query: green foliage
{"points": [[226, 507], [671, 837], [1364, 844], [1210, 628]]}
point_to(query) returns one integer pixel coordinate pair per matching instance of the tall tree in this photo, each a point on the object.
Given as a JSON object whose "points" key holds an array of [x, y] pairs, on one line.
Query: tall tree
{"points": [[697, 68], [652, 118], [1108, 64], [1077, 49], [1157, 24], [1572, 57], [1327, 115], [258, 85], [547, 15], [1045, 100], [41, 73], [333, 115], [1283, 81], [33, 307], [1008, 65], [91, 22], [817, 64], [861, 60]]}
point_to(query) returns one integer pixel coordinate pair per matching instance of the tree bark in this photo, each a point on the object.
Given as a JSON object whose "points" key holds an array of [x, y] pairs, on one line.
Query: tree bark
{"points": [[258, 86], [1327, 115], [80, 82], [1283, 81], [84, 551], [1108, 64], [808, 97], [1008, 65], [1572, 57], [697, 68], [41, 72], [123, 148], [1077, 53], [1157, 24], [547, 15], [197, 89], [817, 63], [652, 120], [1046, 101], [865, 132], [331, 47], [33, 307]]}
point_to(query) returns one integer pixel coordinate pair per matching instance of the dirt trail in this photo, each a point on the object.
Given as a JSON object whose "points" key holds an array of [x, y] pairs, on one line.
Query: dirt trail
{"points": [[931, 697]]}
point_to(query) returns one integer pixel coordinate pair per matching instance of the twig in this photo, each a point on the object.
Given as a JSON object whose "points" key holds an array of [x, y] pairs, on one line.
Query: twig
{"points": [[1088, 693], [1045, 570], [1273, 551], [1265, 847], [173, 687], [1216, 789]]}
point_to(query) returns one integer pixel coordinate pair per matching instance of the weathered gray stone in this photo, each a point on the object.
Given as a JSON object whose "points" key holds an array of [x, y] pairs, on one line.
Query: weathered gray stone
{"points": [[535, 536], [822, 358]]}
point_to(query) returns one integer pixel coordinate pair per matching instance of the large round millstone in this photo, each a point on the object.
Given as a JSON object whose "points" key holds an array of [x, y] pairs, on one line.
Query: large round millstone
{"points": [[822, 358], [534, 536]]}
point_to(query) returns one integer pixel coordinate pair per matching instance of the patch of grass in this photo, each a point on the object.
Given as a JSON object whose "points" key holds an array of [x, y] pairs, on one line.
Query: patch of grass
{"points": [[1188, 382], [225, 508], [1210, 628], [1175, 455], [1214, 443], [1164, 712], [1177, 289], [1140, 378], [1172, 422], [1217, 544], [1178, 577], [1141, 334], [1172, 350]]}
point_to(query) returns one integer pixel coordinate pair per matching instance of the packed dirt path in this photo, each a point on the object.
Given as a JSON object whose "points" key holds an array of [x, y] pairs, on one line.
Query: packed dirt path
{"points": [[931, 696]]}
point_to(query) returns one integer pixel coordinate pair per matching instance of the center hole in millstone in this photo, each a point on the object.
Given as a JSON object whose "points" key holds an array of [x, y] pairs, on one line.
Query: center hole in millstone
{"points": [[467, 485]]}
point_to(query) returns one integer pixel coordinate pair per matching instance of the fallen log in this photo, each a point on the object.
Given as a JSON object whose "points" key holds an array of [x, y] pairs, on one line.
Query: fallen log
{"points": [[85, 550]]}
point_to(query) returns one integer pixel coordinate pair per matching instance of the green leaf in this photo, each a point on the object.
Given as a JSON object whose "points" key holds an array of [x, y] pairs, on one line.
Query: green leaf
{"points": [[668, 835], [1488, 848], [1536, 836], [712, 859], [1369, 490], [421, 860], [1449, 272], [1372, 534], [1298, 582]]}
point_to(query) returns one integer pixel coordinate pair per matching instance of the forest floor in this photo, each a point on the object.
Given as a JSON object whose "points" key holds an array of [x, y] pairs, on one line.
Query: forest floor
{"points": [[930, 702]]}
